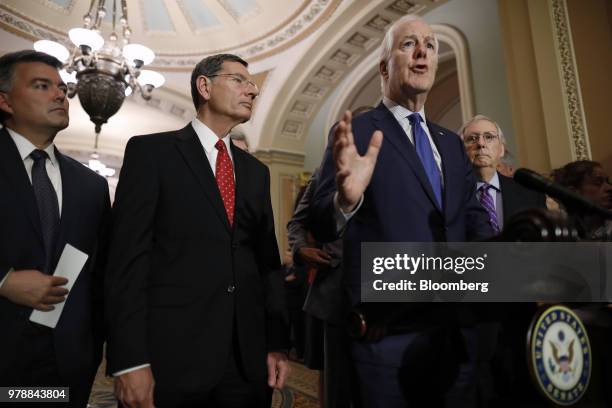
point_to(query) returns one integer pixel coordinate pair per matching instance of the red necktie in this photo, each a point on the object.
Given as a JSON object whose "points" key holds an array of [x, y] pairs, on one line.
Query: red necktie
{"points": [[224, 173]]}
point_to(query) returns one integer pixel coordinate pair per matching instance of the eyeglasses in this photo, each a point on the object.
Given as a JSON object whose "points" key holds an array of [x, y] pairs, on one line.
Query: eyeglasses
{"points": [[475, 137], [241, 81]]}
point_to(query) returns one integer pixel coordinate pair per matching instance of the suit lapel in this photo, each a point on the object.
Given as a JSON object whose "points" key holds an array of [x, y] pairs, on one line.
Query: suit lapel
{"points": [[192, 151], [17, 177], [395, 135], [241, 177], [450, 183], [70, 194]]}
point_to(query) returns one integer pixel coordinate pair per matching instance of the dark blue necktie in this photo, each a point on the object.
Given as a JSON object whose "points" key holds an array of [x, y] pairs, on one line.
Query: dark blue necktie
{"points": [[48, 206], [423, 148]]}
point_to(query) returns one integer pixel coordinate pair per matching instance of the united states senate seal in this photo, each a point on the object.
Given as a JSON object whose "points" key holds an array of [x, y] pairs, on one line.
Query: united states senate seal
{"points": [[560, 355]]}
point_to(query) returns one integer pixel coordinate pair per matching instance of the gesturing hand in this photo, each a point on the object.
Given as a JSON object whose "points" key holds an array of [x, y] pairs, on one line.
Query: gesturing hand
{"points": [[353, 171]]}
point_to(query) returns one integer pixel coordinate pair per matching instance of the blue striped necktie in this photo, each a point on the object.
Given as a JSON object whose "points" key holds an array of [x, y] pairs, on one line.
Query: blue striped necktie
{"points": [[487, 202], [425, 153]]}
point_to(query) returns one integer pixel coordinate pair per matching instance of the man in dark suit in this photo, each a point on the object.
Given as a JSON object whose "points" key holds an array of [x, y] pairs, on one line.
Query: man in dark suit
{"points": [[194, 265], [48, 201], [324, 300], [416, 186], [501, 196]]}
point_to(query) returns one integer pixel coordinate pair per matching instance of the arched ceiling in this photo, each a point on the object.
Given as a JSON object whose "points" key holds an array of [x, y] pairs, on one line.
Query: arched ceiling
{"points": [[300, 51], [181, 32]]}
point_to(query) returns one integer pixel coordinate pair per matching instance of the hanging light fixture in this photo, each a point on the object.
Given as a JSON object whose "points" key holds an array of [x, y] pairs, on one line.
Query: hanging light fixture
{"points": [[103, 72]]}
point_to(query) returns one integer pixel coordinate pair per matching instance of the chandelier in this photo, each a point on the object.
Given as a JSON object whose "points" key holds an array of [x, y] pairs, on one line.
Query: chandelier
{"points": [[103, 72]]}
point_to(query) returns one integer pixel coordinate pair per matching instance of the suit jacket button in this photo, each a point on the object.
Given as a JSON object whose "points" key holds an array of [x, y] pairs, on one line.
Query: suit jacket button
{"points": [[234, 245], [231, 288]]}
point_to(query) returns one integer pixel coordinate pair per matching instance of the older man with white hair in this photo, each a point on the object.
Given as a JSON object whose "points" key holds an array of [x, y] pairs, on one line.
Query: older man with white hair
{"points": [[501, 196], [416, 186]]}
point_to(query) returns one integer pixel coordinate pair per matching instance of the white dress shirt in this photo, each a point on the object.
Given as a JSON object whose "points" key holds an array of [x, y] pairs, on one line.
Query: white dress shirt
{"points": [[25, 147], [401, 114], [208, 138]]}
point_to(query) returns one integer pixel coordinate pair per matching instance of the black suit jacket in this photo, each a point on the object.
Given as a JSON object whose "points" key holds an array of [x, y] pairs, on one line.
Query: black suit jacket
{"points": [[85, 214], [182, 282], [516, 198]]}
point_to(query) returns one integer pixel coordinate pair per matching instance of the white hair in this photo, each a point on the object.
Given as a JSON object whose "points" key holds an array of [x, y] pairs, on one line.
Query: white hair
{"points": [[482, 117]]}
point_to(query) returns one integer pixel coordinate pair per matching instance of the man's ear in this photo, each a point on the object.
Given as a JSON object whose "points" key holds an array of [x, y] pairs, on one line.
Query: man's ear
{"points": [[203, 85], [5, 104], [383, 69]]}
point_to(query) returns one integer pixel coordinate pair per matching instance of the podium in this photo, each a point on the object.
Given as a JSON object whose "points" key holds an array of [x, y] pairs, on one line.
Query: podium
{"points": [[568, 348]]}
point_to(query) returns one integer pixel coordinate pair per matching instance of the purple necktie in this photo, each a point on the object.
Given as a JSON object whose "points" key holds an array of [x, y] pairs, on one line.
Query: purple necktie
{"points": [[487, 202]]}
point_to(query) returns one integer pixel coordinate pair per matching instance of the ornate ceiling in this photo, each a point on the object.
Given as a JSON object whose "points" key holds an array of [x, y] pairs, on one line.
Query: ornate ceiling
{"points": [[181, 32], [300, 52]]}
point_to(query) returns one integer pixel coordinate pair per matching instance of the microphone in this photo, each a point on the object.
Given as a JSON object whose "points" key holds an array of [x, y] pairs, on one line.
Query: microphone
{"points": [[534, 181]]}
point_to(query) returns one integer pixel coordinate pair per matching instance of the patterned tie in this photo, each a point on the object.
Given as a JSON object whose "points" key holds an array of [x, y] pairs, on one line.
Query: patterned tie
{"points": [[487, 202], [423, 148], [224, 173], [48, 207]]}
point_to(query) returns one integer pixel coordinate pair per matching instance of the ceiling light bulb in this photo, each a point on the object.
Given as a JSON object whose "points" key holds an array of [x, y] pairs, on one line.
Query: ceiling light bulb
{"points": [[89, 38], [52, 48], [148, 77], [134, 52]]}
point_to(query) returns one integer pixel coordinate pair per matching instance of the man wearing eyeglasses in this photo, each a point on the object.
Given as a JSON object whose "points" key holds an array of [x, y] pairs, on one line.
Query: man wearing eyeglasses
{"points": [[501, 196], [193, 276]]}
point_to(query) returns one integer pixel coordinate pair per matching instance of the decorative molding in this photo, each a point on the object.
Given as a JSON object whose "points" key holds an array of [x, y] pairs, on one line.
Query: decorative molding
{"points": [[30, 29], [379, 23], [334, 62], [314, 91], [292, 129], [310, 16], [278, 156], [303, 24], [54, 6], [576, 119], [301, 108], [404, 7], [234, 13]]}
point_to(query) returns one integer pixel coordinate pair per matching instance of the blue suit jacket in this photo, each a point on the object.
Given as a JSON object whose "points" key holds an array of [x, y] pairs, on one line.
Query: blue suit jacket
{"points": [[399, 204]]}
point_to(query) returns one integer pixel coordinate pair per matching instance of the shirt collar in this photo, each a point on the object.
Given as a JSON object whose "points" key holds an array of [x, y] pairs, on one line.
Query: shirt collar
{"points": [[25, 147], [400, 111], [494, 182], [207, 137]]}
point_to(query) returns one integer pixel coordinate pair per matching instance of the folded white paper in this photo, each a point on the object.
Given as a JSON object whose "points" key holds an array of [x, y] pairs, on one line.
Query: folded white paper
{"points": [[69, 266]]}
